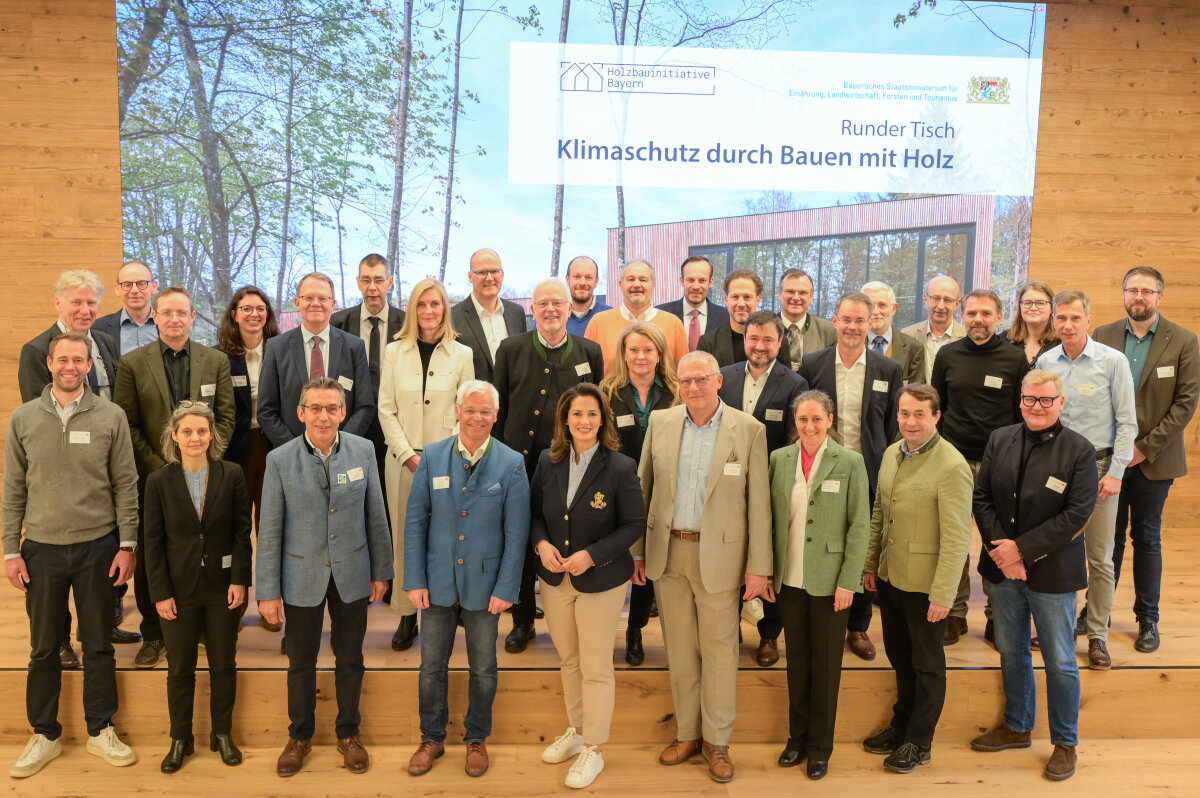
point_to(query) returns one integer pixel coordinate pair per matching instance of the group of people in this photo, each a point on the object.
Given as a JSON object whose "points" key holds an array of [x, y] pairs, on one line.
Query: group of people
{"points": [[446, 458]]}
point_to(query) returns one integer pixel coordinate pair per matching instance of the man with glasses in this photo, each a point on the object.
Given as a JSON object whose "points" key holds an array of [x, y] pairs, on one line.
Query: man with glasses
{"points": [[886, 340], [803, 332], [483, 319], [133, 325], [151, 382], [864, 386], [532, 371], [583, 276], [743, 293], [1035, 490], [323, 541], [637, 292], [693, 308], [1100, 406], [708, 533], [939, 328], [1165, 367]]}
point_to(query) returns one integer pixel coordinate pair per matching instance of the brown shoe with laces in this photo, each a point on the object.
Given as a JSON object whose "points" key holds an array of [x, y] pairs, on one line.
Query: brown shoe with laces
{"points": [[354, 756], [1098, 659], [720, 766], [679, 752], [477, 759], [422, 759], [292, 758]]}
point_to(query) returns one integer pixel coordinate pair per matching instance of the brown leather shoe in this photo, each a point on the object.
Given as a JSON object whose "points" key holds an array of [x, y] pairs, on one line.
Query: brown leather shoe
{"points": [[477, 758], [422, 759], [768, 652], [292, 758], [1062, 763], [679, 752], [1001, 738], [861, 645], [1098, 659], [354, 756], [720, 766]]}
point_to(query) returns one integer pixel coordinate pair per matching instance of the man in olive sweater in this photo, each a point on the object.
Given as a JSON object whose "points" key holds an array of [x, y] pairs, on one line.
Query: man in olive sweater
{"points": [[920, 534]]}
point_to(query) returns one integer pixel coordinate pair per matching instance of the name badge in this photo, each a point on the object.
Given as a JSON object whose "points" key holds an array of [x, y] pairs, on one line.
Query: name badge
{"points": [[880, 385], [208, 390], [993, 382], [1165, 372], [733, 469], [355, 474], [626, 421], [774, 415], [1056, 485], [227, 561], [441, 483], [1086, 390], [583, 369], [831, 486], [240, 381], [346, 383], [80, 436]]}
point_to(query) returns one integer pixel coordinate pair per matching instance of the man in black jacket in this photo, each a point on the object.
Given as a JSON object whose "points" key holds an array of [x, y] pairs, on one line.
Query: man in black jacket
{"points": [[483, 319], [1044, 476], [743, 292]]}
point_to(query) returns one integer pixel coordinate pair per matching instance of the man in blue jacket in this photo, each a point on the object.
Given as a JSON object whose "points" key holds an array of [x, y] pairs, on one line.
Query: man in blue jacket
{"points": [[464, 545]]}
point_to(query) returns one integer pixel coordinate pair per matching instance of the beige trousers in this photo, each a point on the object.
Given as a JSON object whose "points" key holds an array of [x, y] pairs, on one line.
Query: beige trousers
{"points": [[399, 484], [583, 627], [700, 630]]}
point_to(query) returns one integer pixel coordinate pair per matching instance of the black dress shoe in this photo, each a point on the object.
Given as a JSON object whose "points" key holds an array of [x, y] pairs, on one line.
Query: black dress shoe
{"points": [[634, 654], [790, 757], [817, 769], [1147, 639], [654, 608], [406, 632], [67, 656], [120, 636], [173, 761], [538, 613], [1081, 622], [516, 640], [223, 744], [149, 654]]}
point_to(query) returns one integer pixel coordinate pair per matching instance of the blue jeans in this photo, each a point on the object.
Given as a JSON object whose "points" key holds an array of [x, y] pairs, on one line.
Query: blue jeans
{"points": [[1054, 613], [437, 641], [1139, 510]]}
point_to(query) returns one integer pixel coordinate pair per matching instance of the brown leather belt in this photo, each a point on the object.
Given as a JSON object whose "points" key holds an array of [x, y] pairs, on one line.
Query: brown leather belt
{"points": [[683, 534]]}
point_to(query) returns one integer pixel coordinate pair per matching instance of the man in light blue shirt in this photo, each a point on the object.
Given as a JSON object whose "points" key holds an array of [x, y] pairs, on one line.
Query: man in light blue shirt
{"points": [[133, 325], [1100, 406]]}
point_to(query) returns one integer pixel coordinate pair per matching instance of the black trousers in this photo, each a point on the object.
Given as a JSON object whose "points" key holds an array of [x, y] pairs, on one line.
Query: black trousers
{"points": [[348, 628], [53, 572], [211, 615], [150, 626], [523, 610], [915, 650], [860, 611], [771, 624], [815, 635], [640, 599]]}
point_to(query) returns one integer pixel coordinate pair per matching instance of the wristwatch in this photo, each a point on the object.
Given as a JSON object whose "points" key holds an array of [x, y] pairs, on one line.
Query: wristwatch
{"points": [[130, 549]]}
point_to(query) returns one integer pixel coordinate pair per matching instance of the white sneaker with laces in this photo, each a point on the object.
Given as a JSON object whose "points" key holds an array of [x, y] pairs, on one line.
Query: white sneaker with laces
{"points": [[40, 750], [565, 746], [585, 768], [109, 747]]}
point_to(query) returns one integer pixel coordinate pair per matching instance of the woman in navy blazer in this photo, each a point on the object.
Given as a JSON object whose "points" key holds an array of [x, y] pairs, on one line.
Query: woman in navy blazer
{"points": [[587, 510], [197, 520]]}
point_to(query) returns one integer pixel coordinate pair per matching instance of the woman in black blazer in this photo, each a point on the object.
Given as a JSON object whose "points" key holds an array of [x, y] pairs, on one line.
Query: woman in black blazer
{"points": [[197, 532], [587, 511], [641, 380]]}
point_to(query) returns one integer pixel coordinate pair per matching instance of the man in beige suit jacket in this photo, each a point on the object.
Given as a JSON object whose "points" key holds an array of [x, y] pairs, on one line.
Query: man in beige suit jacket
{"points": [[942, 297], [708, 530]]}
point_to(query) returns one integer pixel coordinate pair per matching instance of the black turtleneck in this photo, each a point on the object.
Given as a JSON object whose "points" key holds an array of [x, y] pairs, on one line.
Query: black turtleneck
{"points": [[980, 390]]}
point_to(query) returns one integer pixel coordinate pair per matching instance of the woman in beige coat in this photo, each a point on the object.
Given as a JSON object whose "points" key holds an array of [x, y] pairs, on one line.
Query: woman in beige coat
{"points": [[422, 370]]}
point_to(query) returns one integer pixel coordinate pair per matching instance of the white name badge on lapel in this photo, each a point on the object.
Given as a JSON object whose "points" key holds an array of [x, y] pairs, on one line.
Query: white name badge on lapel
{"points": [[993, 382], [240, 381], [346, 383], [355, 474], [1085, 390], [880, 385], [1165, 371], [1055, 484], [227, 561], [625, 421], [583, 369], [80, 436], [831, 486], [774, 415], [441, 483], [733, 469], [210, 389]]}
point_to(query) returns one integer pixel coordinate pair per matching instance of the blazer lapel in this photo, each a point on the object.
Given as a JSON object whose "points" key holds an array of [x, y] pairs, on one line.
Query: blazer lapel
{"points": [[828, 461], [196, 375], [354, 319], [788, 463], [395, 322], [337, 348], [158, 372], [589, 476], [477, 330], [868, 391], [185, 497], [298, 357], [737, 385], [721, 453]]}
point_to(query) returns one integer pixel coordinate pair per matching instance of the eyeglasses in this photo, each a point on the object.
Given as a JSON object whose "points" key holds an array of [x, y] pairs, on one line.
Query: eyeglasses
{"points": [[1044, 401], [315, 299], [699, 382], [253, 310], [1030, 304], [173, 314], [942, 300], [373, 280], [192, 404], [486, 273], [473, 412], [849, 322], [1137, 292], [549, 303], [129, 285], [318, 409]]}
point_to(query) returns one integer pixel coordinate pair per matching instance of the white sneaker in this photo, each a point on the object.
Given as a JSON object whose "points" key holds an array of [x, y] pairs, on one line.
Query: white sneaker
{"points": [[565, 746], [109, 747], [40, 750], [585, 769]]}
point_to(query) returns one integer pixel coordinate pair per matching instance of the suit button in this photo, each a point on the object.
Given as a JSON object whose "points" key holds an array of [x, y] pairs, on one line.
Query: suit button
{"points": [[531, 433], [547, 371], [891, 540], [331, 512], [333, 537], [808, 540], [460, 562], [893, 501], [464, 513], [327, 565], [462, 537], [566, 543], [324, 487], [811, 503], [523, 451], [426, 401], [1012, 520], [431, 374], [543, 392], [810, 520], [537, 412], [891, 520], [566, 518]]}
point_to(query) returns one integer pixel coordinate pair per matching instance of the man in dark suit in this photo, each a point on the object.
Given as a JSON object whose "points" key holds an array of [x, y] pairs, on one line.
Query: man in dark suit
{"points": [[885, 339], [864, 387], [483, 319], [743, 292], [314, 349], [803, 332], [693, 308], [766, 389], [1165, 364], [532, 371], [133, 325], [151, 382]]}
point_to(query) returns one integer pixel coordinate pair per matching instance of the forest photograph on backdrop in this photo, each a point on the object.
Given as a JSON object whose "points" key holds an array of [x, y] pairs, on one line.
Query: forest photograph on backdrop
{"points": [[264, 139]]}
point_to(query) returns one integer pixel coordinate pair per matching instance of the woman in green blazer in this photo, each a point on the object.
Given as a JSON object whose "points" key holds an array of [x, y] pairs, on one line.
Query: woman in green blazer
{"points": [[822, 517]]}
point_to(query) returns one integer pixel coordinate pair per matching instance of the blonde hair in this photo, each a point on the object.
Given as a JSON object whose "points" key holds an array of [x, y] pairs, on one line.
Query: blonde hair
{"points": [[1041, 377], [411, 330], [618, 371]]}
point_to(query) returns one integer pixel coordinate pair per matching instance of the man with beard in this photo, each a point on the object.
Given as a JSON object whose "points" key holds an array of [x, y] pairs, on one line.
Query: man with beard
{"points": [[743, 292], [583, 275], [637, 289]]}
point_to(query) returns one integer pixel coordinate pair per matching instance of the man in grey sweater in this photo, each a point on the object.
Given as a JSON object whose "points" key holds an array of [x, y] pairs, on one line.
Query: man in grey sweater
{"points": [[71, 482]]}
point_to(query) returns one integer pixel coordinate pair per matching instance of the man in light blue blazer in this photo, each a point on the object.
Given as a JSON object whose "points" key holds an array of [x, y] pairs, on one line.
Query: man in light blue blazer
{"points": [[464, 545], [323, 539]]}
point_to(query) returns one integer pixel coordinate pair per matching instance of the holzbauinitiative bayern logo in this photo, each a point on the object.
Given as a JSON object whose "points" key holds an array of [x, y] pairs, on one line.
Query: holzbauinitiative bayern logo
{"points": [[989, 89]]}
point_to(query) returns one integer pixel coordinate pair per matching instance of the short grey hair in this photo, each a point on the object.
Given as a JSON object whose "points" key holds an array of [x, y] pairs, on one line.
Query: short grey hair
{"points": [[77, 280], [1072, 295], [551, 284], [472, 387], [698, 354], [322, 384], [876, 285]]}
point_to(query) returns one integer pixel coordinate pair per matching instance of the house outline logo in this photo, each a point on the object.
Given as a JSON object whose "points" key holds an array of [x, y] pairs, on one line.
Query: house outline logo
{"points": [[580, 76]]}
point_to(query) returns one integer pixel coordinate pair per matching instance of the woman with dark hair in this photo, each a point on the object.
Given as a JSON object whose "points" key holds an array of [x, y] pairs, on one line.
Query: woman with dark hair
{"points": [[822, 520], [587, 511], [1032, 329], [640, 380], [197, 525]]}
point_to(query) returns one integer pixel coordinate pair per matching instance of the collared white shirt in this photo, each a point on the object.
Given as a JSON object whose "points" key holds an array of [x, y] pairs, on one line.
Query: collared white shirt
{"points": [[337, 438], [308, 336], [579, 314], [254, 359], [646, 315], [550, 347], [66, 411], [688, 307], [752, 389], [851, 384], [932, 344], [472, 459], [793, 565], [492, 322], [696, 448], [576, 470], [364, 329]]}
